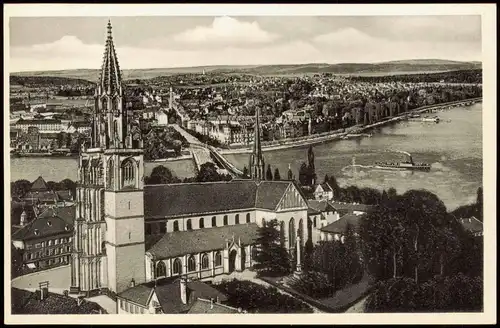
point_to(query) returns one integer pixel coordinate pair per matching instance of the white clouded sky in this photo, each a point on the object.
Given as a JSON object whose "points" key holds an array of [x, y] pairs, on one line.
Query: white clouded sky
{"points": [[53, 43]]}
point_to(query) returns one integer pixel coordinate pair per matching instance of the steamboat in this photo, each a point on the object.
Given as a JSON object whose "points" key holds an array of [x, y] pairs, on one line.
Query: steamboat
{"points": [[405, 165]]}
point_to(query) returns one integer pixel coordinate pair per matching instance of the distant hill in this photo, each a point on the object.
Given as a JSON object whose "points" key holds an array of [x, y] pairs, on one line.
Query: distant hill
{"points": [[384, 68], [47, 80]]}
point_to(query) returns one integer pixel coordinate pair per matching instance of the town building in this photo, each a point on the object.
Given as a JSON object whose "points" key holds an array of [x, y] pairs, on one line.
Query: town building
{"points": [[323, 191], [172, 296], [41, 195], [46, 239], [124, 230], [53, 125], [347, 214]]}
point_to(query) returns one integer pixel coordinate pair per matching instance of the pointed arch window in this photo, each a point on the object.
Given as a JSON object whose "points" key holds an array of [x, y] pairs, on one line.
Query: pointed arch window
{"points": [[128, 173], [177, 266], [191, 264], [291, 233], [176, 225], [161, 269], [218, 259], [248, 217], [214, 221], [204, 261], [189, 226]]}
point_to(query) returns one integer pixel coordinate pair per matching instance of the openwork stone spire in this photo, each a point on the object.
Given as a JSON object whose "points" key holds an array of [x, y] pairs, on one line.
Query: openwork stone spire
{"points": [[257, 159], [110, 78]]}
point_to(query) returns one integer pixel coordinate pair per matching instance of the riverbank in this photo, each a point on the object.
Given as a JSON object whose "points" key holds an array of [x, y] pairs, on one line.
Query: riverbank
{"points": [[338, 134], [71, 155]]}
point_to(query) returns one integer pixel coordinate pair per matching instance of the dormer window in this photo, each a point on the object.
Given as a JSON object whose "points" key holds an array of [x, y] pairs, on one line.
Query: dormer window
{"points": [[49, 223], [36, 232], [66, 228]]}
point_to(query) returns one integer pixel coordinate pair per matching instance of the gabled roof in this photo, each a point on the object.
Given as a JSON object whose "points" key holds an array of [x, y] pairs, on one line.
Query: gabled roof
{"points": [[168, 293], [340, 226], [325, 186], [320, 205], [177, 200], [43, 227], [39, 185], [64, 195], [178, 243], [67, 213]]}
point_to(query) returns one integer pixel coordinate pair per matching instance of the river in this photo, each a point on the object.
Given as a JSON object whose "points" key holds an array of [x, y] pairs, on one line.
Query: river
{"points": [[453, 147]]}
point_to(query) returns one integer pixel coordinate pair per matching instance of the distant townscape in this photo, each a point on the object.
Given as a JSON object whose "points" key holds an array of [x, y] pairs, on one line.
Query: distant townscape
{"points": [[233, 239]]}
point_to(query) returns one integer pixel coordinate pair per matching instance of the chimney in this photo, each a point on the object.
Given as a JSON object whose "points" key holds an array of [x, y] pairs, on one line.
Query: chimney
{"points": [[183, 285], [132, 283]]}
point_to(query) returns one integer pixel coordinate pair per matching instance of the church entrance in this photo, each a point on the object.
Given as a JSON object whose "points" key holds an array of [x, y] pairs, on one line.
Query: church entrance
{"points": [[232, 260], [243, 258]]}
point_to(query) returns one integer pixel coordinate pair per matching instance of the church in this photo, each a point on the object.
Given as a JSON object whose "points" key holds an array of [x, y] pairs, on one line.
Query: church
{"points": [[127, 233]]}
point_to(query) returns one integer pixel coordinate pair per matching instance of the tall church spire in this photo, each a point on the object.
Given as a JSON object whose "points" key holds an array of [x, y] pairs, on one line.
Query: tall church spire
{"points": [[110, 78], [111, 125], [257, 159]]}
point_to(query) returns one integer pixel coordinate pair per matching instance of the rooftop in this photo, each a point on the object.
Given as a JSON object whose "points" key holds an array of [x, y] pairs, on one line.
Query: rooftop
{"points": [[168, 292], [26, 302], [45, 225], [178, 243], [174, 200], [472, 224], [340, 226]]}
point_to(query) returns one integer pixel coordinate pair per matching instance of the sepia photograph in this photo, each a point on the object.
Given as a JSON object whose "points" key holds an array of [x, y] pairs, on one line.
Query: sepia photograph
{"points": [[329, 162]]}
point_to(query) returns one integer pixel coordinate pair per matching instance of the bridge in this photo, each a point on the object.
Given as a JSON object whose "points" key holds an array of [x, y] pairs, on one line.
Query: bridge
{"points": [[203, 153]]}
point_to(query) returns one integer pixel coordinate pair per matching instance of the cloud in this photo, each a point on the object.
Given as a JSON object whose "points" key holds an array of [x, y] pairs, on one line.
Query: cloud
{"points": [[238, 42], [353, 45], [226, 31], [71, 53]]}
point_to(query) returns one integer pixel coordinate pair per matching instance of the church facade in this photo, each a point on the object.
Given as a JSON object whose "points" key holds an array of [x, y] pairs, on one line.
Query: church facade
{"points": [[127, 233]]}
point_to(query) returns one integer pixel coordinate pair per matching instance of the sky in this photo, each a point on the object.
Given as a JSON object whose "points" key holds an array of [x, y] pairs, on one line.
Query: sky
{"points": [[57, 43]]}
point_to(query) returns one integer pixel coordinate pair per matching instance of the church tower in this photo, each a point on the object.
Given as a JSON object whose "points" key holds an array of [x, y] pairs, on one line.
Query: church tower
{"points": [[108, 246], [257, 165]]}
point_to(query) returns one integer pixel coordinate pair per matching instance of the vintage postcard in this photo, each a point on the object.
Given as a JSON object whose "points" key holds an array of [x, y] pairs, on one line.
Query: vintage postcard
{"points": [[280, 163]]}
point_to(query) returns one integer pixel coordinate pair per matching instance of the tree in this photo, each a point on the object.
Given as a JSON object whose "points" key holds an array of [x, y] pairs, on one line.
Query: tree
{"points": [[16, 261], [290, 174], [334, 184], [311, 167], [19, 188], [277, 176], [269, 173], [304, 174], [383, 236], [208, 172], [161, 175], [67, 184], [272, 258]]}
